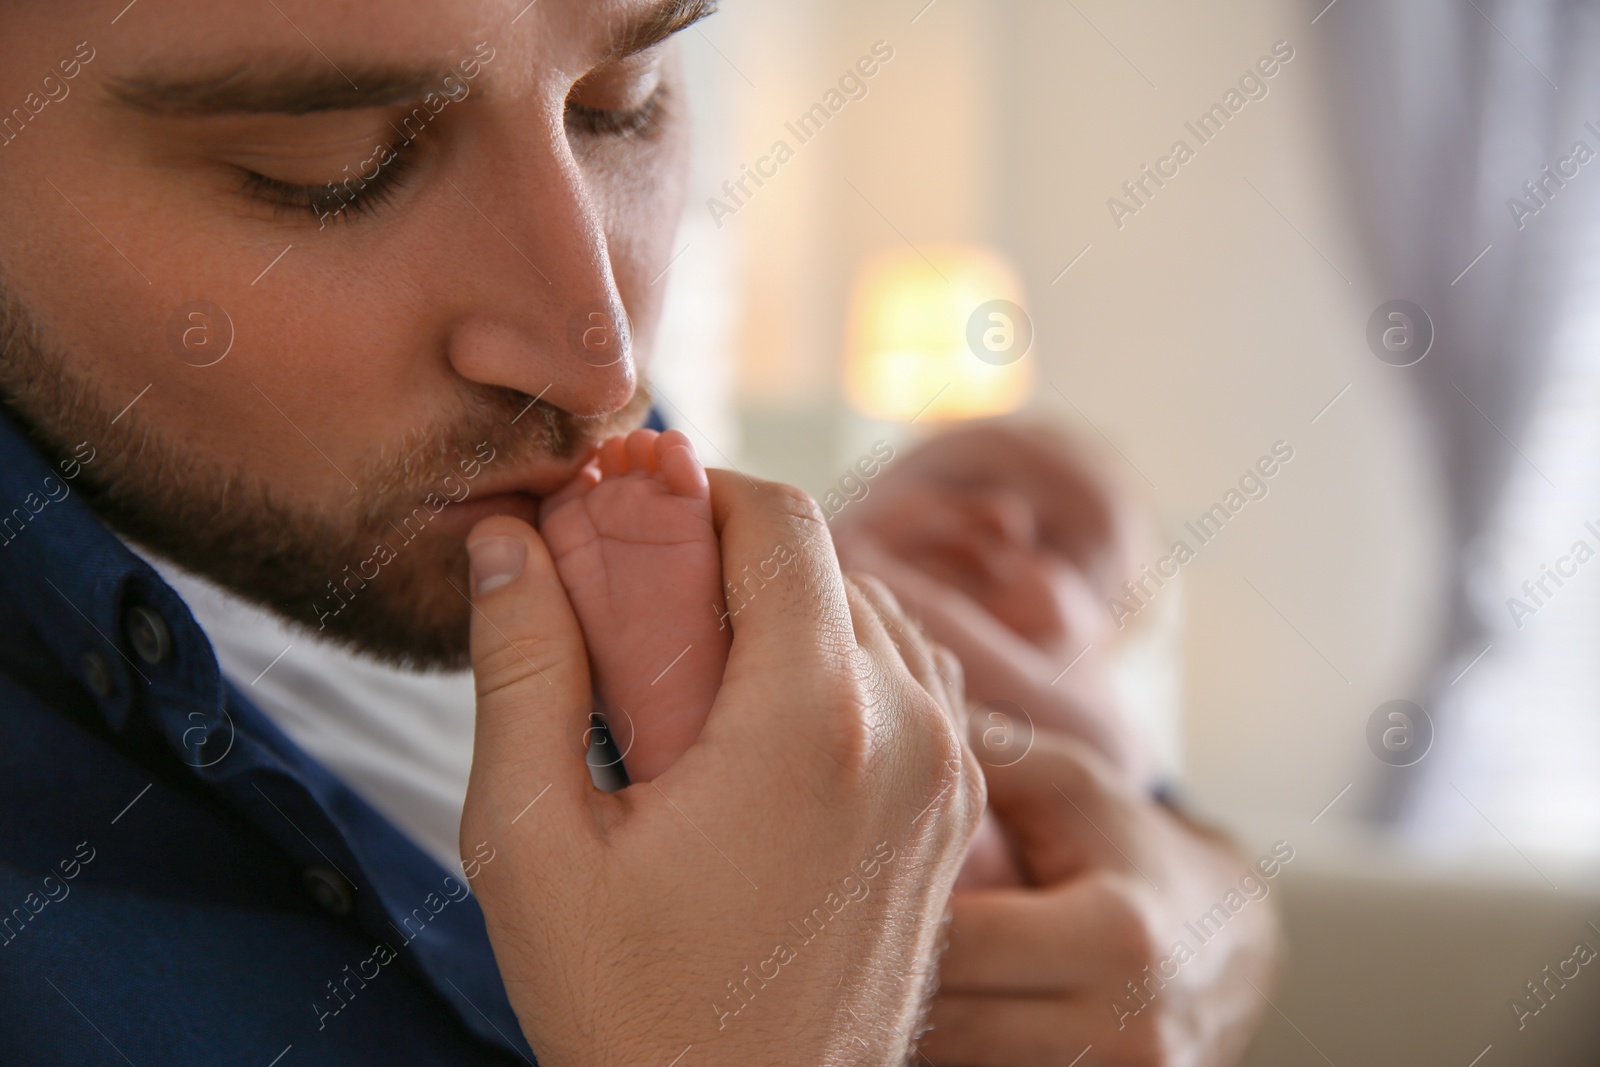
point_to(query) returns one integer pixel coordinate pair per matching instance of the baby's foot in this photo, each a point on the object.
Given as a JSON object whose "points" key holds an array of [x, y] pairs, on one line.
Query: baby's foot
{"points": [[633, 542]]}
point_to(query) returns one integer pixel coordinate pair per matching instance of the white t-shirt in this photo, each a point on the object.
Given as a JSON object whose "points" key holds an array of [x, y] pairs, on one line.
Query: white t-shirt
{"points": [[401, 739]]}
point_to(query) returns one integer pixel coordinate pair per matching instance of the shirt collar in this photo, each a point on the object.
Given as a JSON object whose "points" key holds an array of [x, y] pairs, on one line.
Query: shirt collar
{"points": [[132, 642]]}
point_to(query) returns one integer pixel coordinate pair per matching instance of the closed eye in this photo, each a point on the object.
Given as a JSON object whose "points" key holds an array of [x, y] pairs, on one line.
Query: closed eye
{"points": [[642, 121], [352, 194]]}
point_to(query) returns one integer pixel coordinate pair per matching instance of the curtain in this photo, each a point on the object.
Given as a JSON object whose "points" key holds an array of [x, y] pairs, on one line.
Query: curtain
{"points": [[1449, 113]]}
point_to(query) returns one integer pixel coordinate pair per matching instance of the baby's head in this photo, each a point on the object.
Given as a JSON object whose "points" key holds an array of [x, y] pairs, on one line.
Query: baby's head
{"points": [[1019, 519]]}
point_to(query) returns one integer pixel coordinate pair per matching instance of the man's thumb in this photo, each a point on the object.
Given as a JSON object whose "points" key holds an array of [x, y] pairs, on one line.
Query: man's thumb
{"points": [[531, 668], [1059, 802]]}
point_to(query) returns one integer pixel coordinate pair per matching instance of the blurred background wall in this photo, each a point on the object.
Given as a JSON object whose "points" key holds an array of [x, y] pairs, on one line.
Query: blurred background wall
{"points": [[1222, 318]]}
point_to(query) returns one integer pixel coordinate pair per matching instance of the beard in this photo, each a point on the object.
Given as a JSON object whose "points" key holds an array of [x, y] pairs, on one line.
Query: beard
{"points": [[233, 527]]}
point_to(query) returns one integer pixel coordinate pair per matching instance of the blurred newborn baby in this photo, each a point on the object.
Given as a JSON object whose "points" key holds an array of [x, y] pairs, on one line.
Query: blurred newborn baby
{"points": [[1007, 542]]}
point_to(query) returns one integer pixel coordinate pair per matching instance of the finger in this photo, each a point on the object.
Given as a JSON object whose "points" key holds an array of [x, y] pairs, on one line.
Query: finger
{"points": [[1029, 942], [933, 666], [1065, 808], [1004, 1031], [531, 668], [874, 611], [999, 664], [945, 614], [954, 680], [912, 648], [901, 649], [793, 629], [977, 638]]}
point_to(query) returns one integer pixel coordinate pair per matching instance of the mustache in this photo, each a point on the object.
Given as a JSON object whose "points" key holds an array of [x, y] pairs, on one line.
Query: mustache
{"points": [[518, 427]]}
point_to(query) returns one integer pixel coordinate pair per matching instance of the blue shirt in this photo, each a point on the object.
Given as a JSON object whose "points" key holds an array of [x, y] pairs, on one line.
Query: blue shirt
{"points": [[179, 883]]}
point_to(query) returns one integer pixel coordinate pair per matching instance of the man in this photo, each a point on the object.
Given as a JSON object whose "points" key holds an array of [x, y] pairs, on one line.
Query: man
{"points": [[308, 298]]}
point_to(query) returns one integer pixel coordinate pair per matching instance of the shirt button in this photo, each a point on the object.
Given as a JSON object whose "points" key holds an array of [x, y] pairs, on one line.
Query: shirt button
{"points": [[96, 674], [148, 634], [329, 889]]}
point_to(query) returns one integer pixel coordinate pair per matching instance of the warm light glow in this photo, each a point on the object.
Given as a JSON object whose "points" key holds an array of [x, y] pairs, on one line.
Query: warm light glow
{"points": [[910, 352]]}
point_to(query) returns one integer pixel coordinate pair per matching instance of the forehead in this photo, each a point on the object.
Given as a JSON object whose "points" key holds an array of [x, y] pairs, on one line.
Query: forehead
{"points": [[556, 33]]}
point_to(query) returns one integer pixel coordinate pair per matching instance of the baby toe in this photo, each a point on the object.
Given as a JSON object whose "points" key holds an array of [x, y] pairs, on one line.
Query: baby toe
{"points": [[613, 457], [641, 450], [671, 439], [587, 478], [685, 475]]}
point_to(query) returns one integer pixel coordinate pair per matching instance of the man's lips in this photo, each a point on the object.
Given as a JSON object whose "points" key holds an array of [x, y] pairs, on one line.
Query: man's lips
{"points": [[539, 478], [517, 495]]}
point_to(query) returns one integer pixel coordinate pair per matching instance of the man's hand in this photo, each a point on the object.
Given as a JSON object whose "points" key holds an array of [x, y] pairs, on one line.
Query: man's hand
{"points": [[1037, 976], [1000, 666], [776, 895]]}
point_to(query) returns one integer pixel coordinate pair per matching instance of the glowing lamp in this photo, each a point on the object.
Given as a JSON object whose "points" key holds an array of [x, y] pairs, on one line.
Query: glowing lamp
{"points": [[938, 338]]}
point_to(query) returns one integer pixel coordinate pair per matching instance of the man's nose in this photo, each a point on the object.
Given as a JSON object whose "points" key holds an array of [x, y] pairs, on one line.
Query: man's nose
{"points": [[540, 310]]}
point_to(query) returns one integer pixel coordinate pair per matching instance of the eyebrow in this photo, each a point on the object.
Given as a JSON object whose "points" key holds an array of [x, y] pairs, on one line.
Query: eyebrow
{"points": [[659, 23], [292, 90], [305, 87]]}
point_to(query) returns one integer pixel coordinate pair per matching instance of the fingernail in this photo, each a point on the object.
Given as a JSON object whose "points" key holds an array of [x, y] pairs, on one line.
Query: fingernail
{"points": [[496, 561]]}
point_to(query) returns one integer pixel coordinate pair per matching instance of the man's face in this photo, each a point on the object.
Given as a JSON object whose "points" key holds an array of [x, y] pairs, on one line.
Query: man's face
{"points": [[331, 251]]}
